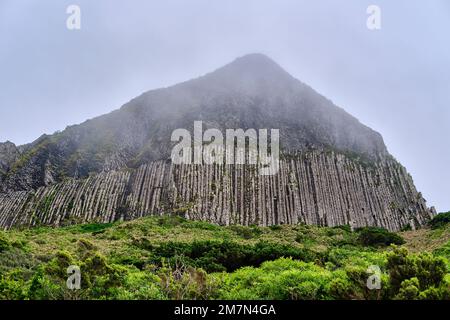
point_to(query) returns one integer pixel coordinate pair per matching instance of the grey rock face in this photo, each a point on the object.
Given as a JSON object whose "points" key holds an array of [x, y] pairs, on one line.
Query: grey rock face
{"points": [[101, 159], [316, 187], [9, 154], [251, 92]]}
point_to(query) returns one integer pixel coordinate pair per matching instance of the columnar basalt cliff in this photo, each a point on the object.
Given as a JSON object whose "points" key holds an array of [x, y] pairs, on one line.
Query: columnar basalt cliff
{"points": [[315, 187], [337, 171]]}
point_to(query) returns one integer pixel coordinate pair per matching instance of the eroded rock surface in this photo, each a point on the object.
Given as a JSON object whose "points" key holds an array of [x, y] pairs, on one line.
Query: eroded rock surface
{"points": [[116, 166]]}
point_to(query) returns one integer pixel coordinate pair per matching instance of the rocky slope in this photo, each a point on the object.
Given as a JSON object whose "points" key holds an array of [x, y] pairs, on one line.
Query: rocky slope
{"points": [[116, 166], [316, 187]]}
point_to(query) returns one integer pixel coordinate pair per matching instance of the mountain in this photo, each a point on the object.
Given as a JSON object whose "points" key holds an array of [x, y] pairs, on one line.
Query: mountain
{"points": [[335, 170]]}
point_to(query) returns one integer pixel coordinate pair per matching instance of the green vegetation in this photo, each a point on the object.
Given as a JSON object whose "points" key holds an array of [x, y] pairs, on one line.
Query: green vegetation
{"points": [[26, 157], [440, 220], [173, 258], [375, 236], [417, 276], [217, 256]]}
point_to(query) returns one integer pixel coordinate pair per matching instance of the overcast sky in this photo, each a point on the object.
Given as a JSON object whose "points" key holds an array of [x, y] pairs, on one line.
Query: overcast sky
{"points": [[395, 80]]}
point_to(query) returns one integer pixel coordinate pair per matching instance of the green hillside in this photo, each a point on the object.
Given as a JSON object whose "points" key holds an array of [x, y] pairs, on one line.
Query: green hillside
{"points": [[173, 258]]}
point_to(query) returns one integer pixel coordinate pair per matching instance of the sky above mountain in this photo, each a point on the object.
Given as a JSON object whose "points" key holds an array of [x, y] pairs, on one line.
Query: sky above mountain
{"points": [[395, 80]]}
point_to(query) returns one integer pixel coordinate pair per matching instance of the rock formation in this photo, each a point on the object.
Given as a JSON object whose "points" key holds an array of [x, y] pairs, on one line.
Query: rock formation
{"points": [[334, 170], [316, 187]]}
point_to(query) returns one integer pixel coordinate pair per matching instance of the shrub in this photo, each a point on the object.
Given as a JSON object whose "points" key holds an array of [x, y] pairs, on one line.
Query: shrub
{"points": [[101, 279], [57, 266], [140, 286], [246, 232], [15, 258], [85, 247], [284, 279], [406, 227], [4, 244], [92, 228], [42, 287], [427, 269], [443, 251], [355, 256], [409, 290], [12, 286], [344, 227], [275, 227], [431, 293], [375, 236], [341, 288], [440, 220], [202, 225], [242, 284], [169, 221], [184, 282], [298, 285], [358, 277], [215, 256]]}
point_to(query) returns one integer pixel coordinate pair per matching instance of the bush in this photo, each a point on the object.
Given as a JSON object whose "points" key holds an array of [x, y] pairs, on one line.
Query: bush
{"points": [[407, 272], [375, 236], [275, 227], [57, 266], [443, 251], [92, 228], [285, 279], [140, 286], [170, 221], [12, 286], [202, 225], [100, 278], [215, 256], [85, 247], [246, 232], [4, 244], [184, 282], [440, 220], [343, 256], [341, 288], [43, 287], [359, 276], [344, 227], [409, 290]]}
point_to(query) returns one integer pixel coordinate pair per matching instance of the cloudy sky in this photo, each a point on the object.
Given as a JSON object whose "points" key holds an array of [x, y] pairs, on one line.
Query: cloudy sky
{"points": [[395, 80]]}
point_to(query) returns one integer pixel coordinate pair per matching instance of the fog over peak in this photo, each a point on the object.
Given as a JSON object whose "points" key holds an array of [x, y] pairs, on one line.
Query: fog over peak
{"points": [[394, 80]]}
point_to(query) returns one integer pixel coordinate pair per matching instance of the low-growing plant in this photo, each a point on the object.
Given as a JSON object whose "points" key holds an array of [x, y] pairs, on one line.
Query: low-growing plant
{"points": [[275, 227], [440, 220], [409, 272], [173, 258], [92, 228], [376, 236], [4, 244], [217, 256], [246, 232]]}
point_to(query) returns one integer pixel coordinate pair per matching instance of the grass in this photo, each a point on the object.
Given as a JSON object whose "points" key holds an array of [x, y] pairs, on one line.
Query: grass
{"points": [[171, 257]]}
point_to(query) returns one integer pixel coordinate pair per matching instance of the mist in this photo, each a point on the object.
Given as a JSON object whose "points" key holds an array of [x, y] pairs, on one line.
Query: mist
{"points": [[395, 80]]}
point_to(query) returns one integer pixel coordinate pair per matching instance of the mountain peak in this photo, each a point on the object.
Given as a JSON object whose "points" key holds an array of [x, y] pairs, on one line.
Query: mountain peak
{"points": [[250, 92], [253, 74], [255, 64], [336, 170], [255, 60]]}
